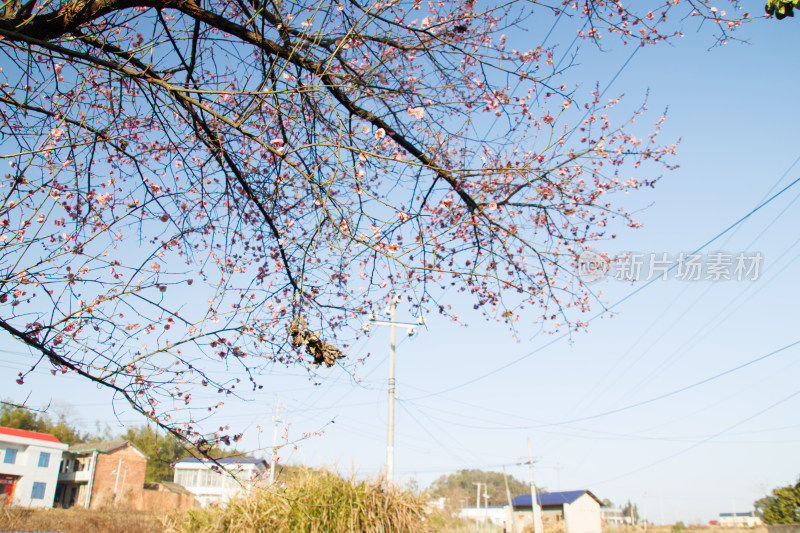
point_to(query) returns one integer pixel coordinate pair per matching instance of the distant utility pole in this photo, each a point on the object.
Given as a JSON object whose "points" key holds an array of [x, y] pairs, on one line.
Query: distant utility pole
{"points": [[558, 473], [274, 463], [116, 481], [477, 502], [537, 515], [486, 502], [510, 504], [373, 319], [644, 511]]}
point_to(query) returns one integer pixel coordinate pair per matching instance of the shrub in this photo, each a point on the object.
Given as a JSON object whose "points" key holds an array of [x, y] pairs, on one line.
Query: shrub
{"points": [[678, 527], [312, 502]]}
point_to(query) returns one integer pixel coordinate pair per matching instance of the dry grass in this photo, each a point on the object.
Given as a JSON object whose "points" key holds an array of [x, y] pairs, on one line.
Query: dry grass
{"points": [[685, 529], [78, 521], [701, 529], [313, 502]]}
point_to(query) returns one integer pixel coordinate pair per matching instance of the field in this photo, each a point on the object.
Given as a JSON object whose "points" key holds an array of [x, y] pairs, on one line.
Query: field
{"points": [[119, 521], [78, 521], [310, 501], [697, 529]]}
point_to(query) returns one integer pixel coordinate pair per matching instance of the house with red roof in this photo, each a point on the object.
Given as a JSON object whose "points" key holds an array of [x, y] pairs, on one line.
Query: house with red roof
{"points": [[29, 464]]}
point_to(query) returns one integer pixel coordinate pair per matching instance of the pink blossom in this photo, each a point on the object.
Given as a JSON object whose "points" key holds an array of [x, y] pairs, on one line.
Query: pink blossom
{"points": [[416, 112], [380, 134]]}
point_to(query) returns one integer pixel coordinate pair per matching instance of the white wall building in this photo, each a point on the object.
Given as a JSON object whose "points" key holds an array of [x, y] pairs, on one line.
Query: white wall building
{"points": [[748, 519], [29, 463], [613, 517], [482, 515], [572, 511], [212, 485]]}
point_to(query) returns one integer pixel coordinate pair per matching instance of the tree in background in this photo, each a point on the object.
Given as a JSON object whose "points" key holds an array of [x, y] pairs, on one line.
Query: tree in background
{"points": [[162, 449], [631, 512], [459, 488], [782, 506], [20, 418], [197, 193]]}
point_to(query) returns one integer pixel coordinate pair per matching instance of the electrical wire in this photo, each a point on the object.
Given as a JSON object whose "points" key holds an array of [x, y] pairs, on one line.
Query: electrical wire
{"points": [[704, 441], [613, 306]]}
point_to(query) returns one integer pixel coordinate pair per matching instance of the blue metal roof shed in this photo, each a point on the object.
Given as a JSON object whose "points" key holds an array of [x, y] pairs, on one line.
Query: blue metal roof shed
{"points": [[552, 498]]}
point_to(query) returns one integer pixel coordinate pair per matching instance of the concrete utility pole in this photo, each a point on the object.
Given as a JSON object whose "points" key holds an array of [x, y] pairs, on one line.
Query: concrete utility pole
{"points": [[510, 505], [477, 502], [644, 512], [537, 515], [124, 475], [116, 481], [558, 474], [411, 328], [274, 463], [486, 502], [630, 511], [392, 382]]}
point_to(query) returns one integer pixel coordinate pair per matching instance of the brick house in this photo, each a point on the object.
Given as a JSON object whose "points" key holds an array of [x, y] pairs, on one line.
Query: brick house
{"points": [[97, 474], [28, 467]]}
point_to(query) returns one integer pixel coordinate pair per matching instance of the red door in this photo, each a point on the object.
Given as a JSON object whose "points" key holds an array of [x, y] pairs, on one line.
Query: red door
{"points": [[7, 485]]}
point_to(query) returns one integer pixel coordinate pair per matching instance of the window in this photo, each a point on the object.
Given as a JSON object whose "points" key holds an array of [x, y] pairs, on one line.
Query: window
{"points": [[187, 478], [37, 493], [11, 456], [44, 459], [213, 479], [209, 478]]}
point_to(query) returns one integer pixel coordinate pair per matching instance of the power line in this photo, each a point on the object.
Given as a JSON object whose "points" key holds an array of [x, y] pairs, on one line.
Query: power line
{"points": [[704, 441], [649, 400], [702, 329], [614, 305]]}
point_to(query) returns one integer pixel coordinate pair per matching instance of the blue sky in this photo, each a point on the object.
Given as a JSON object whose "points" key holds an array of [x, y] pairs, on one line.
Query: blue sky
{"points": [[471, 396]]}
